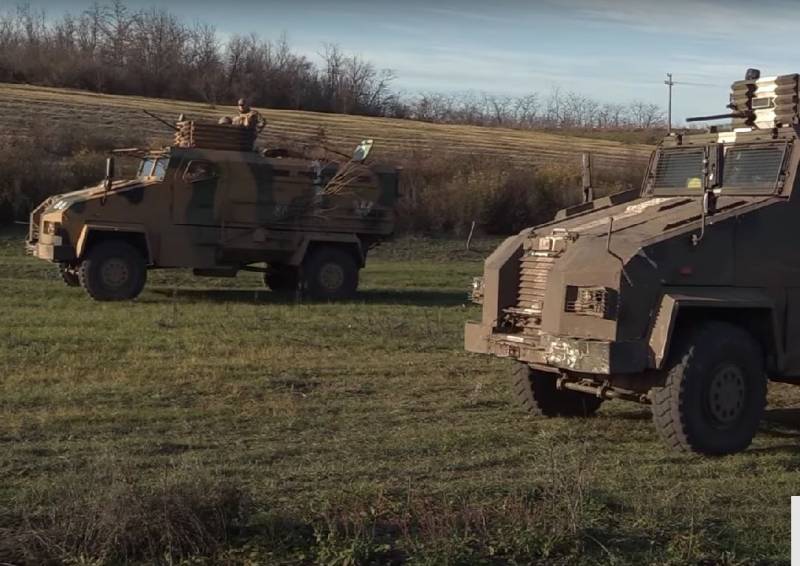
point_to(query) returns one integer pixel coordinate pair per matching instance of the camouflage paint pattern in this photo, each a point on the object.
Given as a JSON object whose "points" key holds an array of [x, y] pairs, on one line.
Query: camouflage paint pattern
{"points": [[249, 209]]}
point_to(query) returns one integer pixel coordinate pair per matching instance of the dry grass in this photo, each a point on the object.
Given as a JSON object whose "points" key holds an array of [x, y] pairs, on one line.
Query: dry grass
{"points": [[107, 513], [502, 179], [20, 104]]}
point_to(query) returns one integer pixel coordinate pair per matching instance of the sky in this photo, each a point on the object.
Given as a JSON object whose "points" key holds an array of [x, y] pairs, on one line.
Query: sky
{"points": [[609, 50]]}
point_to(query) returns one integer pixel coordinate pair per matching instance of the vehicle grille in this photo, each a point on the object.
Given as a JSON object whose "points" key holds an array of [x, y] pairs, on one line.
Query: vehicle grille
{"points": [[535, 266], [35, 219]]}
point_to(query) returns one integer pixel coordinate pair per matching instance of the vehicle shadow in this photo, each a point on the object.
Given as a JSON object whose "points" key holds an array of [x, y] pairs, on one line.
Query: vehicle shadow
{"points": [[632, 414], [783, 423], [779, 422], [416, 297]]}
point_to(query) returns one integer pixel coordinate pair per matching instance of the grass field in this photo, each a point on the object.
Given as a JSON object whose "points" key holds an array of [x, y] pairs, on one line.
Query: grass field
{"points": [[211, 422], [24, 105]]}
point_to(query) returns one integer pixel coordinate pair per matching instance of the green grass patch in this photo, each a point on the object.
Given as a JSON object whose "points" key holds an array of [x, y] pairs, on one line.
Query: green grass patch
{"points": [[213, 422]]}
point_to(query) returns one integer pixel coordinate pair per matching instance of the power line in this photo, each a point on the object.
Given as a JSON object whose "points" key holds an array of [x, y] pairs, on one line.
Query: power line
{"points": [[670, 83], [697, 84]]}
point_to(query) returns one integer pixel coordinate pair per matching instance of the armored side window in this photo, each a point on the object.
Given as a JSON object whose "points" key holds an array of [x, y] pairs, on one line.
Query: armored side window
{"points": [[753, 168], [200, 171], [160, 168], [146, 167], [153, 167], [679, 171]]}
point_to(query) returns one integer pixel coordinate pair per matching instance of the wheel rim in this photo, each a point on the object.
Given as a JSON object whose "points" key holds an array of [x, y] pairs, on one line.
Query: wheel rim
{"points": [[726, 394], [331, 276], [114, 273]]}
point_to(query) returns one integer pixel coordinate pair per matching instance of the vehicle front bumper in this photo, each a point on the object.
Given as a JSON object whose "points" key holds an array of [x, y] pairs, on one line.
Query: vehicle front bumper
{"points": [[52, 250], [583, 355]]}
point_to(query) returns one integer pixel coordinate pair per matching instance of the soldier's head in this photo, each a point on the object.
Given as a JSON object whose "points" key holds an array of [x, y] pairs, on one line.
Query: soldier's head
{"points": [[243, 105]]}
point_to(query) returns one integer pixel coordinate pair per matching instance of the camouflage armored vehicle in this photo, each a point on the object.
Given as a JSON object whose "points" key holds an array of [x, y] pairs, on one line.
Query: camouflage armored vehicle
{"points": [[684, 295], [211, 203]]}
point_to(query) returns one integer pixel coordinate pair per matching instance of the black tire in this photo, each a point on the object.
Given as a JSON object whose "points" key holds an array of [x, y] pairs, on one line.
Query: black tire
{"points": [[282, 278], [113, 271], [714, 392], [536, 392], [69, 275], [329, 274]]}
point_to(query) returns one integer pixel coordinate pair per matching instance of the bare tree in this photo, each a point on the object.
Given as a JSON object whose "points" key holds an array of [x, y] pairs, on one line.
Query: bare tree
{"points": [[526, 110], [203, 54], [498, 108], [644, 115], [114, 48]]}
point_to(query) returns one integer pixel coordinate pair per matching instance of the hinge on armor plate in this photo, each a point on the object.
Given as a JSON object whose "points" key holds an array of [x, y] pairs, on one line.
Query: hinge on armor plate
{"points": [[556, 242]]}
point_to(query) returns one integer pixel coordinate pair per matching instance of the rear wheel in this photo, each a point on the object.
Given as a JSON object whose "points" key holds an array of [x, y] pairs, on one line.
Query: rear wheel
{"points": [[536, 392], [281, 278], [113, 271], [330, 273], [714, 391], [69, 275]]}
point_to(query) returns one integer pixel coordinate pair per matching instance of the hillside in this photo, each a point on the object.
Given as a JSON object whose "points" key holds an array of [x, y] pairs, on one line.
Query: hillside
{"points": [[23, 105]]}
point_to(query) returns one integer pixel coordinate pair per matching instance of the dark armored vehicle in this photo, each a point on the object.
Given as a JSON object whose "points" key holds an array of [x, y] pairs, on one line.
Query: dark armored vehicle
{"points": [[684, 295], [211, 203]]}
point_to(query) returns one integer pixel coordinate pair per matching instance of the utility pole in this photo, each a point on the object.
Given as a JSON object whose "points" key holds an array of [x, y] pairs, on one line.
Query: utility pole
{"points": [[669, 83]]}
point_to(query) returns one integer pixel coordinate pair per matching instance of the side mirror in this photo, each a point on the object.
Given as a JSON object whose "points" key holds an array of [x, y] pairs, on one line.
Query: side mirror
{"points": [[362, 151]]}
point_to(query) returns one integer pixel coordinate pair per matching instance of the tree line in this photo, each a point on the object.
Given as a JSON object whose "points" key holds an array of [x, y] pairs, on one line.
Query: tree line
{"points": [[113, 49], [558, 109]]}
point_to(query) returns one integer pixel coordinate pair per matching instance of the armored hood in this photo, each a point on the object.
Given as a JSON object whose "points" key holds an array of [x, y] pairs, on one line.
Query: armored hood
{"points": [[66, 200]]}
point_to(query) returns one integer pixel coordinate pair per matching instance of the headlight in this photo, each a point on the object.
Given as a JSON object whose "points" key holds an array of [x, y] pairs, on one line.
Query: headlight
{"points": [[591, 301], [51, 228], [61, 205], [476, 293]]}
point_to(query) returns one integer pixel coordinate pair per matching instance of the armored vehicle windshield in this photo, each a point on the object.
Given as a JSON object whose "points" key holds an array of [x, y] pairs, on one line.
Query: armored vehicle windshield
{"points": [[746, 169], [753, 168], [153, 168]]}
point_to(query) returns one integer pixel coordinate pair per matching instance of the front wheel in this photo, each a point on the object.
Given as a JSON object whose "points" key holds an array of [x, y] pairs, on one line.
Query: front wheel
{"points": [[330, 274], [536, 392], [714, 391], [113, 271]]}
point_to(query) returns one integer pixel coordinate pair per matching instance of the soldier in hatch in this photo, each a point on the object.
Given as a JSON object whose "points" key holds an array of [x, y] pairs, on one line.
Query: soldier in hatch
{"points": [[248, 118]]}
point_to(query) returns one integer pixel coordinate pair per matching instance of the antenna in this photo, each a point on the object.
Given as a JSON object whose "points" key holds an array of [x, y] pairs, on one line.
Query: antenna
{"points": [[167, 124]]}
